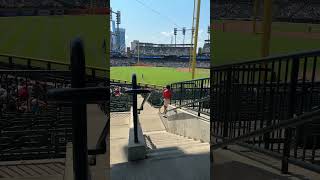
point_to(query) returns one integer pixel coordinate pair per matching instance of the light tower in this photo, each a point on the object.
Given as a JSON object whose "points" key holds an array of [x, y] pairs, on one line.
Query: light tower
{"points": [[183, 33], [175, 36], [118, 18]]}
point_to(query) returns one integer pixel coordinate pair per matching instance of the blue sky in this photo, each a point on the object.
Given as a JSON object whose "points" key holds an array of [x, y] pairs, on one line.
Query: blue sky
{"points": [[143, 24]]}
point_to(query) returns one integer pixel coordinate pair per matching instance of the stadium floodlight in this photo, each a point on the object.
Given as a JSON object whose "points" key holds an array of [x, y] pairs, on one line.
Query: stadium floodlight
{"points": [[183, 31], [118, 17], [175, 31], [209, 30]]}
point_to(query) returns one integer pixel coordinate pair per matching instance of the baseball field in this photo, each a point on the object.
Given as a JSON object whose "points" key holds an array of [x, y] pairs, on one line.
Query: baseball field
{"points": [[48, 37], [234, 41], [160, 76]]}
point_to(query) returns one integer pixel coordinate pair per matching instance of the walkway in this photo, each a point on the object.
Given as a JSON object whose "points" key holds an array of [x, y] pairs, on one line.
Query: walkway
{"points": [[169, 156]]}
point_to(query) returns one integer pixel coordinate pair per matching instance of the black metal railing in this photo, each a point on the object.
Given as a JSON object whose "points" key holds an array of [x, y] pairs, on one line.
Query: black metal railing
{"points": [[247, 97], [88, 95], [135, 91], [8, 61], [190, 92], [44, 133]]}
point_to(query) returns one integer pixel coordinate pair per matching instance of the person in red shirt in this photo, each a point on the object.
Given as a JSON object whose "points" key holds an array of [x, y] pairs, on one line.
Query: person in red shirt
{"points": [[166, 94], [23, 92]]}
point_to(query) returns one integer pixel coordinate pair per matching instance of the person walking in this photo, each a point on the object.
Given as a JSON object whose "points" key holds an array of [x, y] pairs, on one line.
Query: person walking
{"points": [[166, 94]]}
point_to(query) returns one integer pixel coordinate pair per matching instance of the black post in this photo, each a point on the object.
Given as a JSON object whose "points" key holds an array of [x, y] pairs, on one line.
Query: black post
{"points": [[48, 66], [199, 110], [10, 61], [291, 110], [228, 100], [79, 113], [135, 108], [180, 97], [29, 63]]}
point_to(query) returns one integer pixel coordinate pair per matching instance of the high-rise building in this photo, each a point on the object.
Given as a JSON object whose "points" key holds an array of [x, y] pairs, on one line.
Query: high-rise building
{"points": [[114, 39], [122, 38]]}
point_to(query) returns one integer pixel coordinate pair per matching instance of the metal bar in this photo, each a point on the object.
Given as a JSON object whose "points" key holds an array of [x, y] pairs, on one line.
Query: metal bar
{"points": [[291, 111], [269, 58], [187, 104], [307, 117], [201, 92], [79, 113], [135, 108]]}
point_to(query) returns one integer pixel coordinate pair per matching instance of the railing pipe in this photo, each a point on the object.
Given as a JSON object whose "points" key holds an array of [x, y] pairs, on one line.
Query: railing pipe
{"points": [[79, 113], [135, 108]]}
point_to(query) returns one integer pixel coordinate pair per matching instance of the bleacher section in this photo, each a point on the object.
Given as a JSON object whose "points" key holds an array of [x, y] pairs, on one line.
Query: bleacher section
{"points": [[51, 7], [161, 50], [27, 136], [119, 100], [284, 10], [177, 63]]}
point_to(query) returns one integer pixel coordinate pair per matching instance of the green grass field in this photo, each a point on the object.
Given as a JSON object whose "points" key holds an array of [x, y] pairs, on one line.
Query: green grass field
{"points": [[231, 47], [48, 37], [155, 75]]}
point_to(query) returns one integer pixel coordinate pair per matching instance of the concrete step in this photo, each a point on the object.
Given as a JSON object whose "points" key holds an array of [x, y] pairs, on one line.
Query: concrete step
{"points": [[163, 135], [169, 145], [168, 140], [181, 144], [167, 153], [181, 148]]}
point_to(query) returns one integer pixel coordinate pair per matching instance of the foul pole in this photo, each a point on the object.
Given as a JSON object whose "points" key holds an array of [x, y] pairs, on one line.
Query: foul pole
{"points": [[267, 21], [192, 33], [194, 54]]}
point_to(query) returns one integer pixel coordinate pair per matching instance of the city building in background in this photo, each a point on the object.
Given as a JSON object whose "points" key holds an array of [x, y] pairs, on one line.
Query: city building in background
{"points": [[118, 46]]}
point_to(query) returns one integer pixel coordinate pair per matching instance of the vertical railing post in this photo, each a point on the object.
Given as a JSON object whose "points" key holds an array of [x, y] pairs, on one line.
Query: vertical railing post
{"points": [[79, 113], [180, 96], [48, 66], [227, 113], [291, 110], [201, 90], [93, 73], [29, 63], [135, 108], [10, 61]]}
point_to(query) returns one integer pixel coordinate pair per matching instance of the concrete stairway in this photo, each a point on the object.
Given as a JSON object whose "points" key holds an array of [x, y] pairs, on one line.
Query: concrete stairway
{"points": [[162, 145]]}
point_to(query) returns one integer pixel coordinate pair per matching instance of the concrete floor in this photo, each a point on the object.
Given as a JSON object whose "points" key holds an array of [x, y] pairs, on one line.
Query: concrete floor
{"points": [[187, 167]]}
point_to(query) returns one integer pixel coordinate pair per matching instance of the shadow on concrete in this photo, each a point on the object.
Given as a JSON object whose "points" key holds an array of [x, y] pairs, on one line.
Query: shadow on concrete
{"points": [[243, 170], [168, 167], [238, 170]]}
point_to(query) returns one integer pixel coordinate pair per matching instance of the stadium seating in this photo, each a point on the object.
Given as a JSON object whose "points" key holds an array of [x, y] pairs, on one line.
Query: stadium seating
{"points": [[294, 10], [179, 63]]}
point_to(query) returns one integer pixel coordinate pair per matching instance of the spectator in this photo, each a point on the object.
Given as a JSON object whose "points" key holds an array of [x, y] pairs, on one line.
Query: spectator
{"points": [[166, 94], [3, 95]]}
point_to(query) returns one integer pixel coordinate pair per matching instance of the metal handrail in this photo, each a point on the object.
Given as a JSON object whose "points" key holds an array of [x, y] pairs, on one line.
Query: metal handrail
{"points": [[144, 101], [180, 82], [269, 58], [122, 82], [196, 101], [52, 62], [295, 121]]}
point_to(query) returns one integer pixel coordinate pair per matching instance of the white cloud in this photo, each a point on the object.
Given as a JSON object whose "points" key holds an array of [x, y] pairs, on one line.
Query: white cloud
{"points": [[167, 34]]}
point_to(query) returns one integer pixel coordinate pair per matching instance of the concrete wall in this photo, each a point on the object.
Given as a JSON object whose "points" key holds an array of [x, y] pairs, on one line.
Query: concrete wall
{"points": [[186, 124]]}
